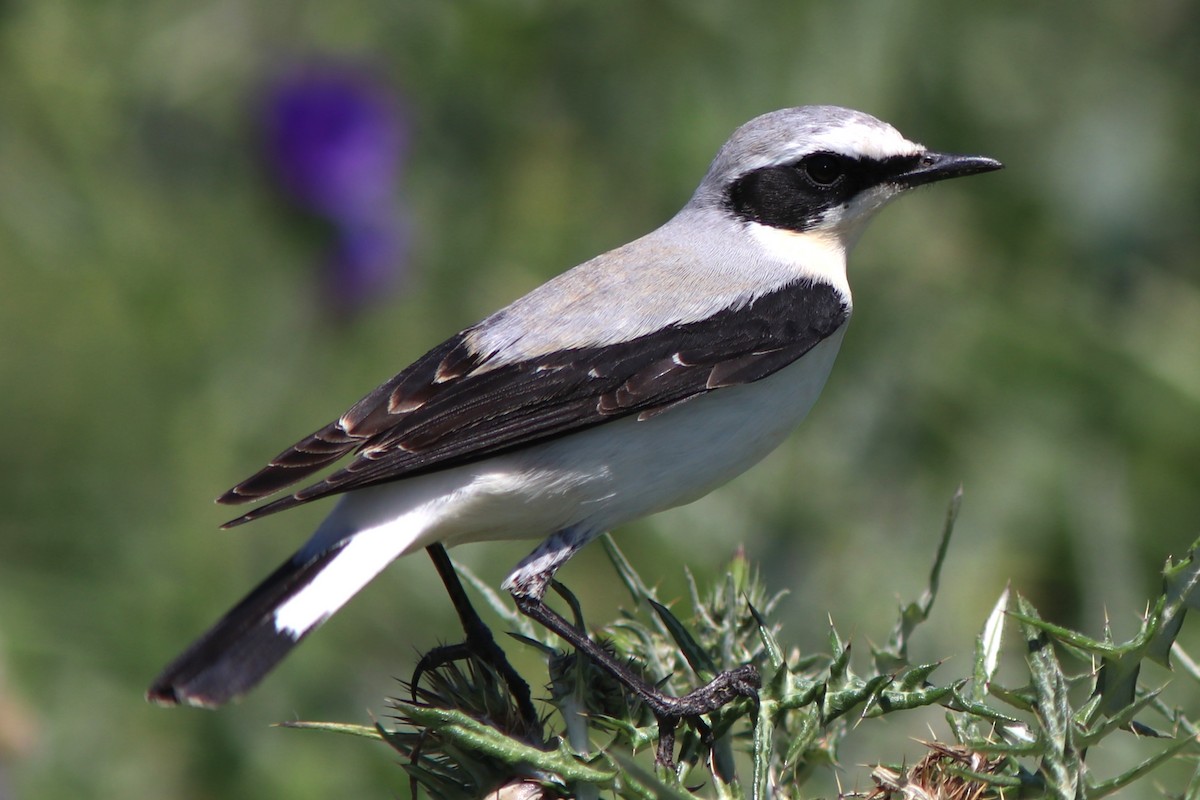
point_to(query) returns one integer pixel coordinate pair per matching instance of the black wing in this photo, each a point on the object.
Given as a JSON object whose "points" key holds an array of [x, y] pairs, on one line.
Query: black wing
{"points": [[451, 408]]}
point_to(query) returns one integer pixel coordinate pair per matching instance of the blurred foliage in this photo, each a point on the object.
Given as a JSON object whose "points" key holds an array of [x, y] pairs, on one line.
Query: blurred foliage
{"points": [[1034, 334]]}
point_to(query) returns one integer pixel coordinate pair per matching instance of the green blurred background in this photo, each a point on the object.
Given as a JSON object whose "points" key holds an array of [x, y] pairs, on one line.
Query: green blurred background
{"points": [[165, 327]]}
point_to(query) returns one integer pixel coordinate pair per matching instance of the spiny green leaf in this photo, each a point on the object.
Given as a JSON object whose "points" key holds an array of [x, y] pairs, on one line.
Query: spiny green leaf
{"points": [[888, 701], [895, 653], [636, 736], [1117, 681], [1184, 663], [544, 649], [637, 588], [347, 728], [740, 573], [699, 660], [843, 700], [801, 692], [985, 778], [1031, 748], [703, 615], [987, 647], [1193, 788], [1124, 779], [1061, 761], [805, 732], [1066, 635], [770, 645], [915, 677], [841, 655], [475, 735], [809, 662], [572, 602], [1123, 718], [1023, 699], [764, 735], [645, 783], [1180, 580], [1087, 714], [441, 785]]}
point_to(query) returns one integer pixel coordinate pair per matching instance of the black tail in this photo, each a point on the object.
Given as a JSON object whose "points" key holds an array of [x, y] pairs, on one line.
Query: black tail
{"points": [[237, 652]]}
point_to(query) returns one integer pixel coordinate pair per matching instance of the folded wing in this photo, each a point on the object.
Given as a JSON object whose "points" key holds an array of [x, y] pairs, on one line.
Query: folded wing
{"points": [[454, 406]]}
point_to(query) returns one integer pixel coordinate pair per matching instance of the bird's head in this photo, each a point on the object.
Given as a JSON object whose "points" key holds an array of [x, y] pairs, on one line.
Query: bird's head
{"points": [[821, 171]]}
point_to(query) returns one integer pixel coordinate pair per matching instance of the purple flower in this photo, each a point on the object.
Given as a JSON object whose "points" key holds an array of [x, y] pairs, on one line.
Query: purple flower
{"points": [[335, 140]]}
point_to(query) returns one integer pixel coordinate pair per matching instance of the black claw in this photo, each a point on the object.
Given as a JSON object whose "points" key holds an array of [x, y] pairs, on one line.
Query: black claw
{"points": [[438, 656]]}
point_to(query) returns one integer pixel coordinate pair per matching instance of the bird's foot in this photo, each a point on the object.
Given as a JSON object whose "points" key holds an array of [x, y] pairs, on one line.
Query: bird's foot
{"points": [[668, 711], [713, 696]]}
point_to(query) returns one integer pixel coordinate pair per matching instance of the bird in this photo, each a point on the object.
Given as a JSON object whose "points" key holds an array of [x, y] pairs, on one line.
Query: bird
{"points": [[640, 380]]}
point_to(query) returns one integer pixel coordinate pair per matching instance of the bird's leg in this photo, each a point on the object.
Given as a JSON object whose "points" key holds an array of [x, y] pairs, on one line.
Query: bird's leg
{"points": [[528, 586], [479, 641], [667, 710]]}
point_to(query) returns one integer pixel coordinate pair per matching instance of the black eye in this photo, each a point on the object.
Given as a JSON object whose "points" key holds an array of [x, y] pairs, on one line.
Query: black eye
{"points": [[823, 169]]}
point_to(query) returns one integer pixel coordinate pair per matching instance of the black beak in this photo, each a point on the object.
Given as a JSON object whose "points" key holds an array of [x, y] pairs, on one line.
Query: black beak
{"points": [[931, 167]]}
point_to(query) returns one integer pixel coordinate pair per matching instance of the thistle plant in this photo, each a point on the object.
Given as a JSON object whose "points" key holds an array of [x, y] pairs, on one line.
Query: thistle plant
{"points": [[461, 733]]}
